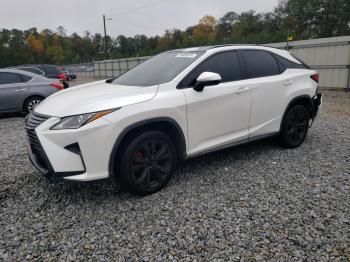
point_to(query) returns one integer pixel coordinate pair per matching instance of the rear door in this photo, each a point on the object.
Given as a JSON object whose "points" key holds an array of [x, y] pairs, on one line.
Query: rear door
{"points": [[219, 115], [13, 90], [266, 84]]}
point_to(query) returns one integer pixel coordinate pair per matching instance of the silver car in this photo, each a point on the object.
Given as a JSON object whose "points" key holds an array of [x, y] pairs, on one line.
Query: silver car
{"points": [[22, 91]]}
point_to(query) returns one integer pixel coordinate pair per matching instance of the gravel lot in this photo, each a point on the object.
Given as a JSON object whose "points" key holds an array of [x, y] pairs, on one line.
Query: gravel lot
{"points": [[253, 202]]}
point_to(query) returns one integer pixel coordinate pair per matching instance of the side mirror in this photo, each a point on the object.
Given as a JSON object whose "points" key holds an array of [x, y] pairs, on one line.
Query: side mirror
{"points": [[206, 79]]}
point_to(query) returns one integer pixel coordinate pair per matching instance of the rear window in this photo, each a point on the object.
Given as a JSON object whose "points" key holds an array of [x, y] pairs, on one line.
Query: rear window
{"points": [[301, 61], [159, 69], [284, 64], [259, 64], [50, 70], [31, 70]]}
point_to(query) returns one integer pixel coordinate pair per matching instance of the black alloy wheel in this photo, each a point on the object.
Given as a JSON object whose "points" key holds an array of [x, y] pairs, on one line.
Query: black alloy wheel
{"points": [[148, 162], [295, 126]]}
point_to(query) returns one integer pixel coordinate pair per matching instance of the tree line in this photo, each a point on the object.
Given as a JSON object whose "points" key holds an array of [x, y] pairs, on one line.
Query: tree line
{"points": [[302, 19]]}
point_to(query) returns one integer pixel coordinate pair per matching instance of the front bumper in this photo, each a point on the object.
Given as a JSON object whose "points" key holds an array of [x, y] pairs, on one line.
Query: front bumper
{"points": [[79, 154], [45, 168]]}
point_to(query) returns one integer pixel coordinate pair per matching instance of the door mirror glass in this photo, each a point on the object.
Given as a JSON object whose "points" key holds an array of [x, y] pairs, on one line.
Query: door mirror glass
{"points": [[207, 79]]}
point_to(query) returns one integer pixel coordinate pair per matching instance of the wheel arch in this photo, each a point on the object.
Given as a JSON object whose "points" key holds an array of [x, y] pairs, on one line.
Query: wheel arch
{"points": [[304, 100], [165, 124], [29, 97]]}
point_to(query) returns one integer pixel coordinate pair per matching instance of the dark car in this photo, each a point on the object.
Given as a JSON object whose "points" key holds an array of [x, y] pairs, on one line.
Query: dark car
{"points": [[70, 75], [49, 71]]}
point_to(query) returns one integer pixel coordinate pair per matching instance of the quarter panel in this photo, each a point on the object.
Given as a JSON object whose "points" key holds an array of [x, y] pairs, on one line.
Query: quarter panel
{"points": [[271, 96]]}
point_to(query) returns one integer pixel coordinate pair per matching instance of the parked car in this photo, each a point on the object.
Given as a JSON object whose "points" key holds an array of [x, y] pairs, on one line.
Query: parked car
{"points": [[177, 105], [71, 76], [22, 91], [49, 71]]}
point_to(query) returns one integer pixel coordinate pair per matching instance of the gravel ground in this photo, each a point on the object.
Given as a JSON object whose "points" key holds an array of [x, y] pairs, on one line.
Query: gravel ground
{"points": [[253, 202]]}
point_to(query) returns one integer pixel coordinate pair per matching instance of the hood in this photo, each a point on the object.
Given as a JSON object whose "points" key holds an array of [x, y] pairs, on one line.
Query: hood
{"points": [[94, 97]]}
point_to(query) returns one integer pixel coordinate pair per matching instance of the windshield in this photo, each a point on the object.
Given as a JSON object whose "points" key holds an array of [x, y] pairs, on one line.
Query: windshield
{"points": [[158, 69]]}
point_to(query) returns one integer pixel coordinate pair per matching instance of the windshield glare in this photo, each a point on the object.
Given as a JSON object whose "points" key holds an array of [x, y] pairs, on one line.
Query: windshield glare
{"points": [[159, 69]]}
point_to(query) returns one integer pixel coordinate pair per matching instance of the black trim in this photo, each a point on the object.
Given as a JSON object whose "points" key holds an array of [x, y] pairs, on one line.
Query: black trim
{"points": [[75, 148], [234, 144], [183, 146], [243, 65], [317, 101]]}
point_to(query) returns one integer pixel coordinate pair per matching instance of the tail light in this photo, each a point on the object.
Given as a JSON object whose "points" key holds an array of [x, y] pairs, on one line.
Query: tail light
{"points": [[316, 77], [62, 76], [58, 86]]}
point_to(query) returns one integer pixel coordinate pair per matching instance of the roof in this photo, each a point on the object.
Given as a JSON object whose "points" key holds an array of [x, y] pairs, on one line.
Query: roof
{"points": [[219, 48], [12, 70], [33, 65], [207, 48]]}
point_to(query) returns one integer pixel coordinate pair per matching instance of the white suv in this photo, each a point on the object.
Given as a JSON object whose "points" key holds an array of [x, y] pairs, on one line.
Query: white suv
{"points": [[175, 106]]}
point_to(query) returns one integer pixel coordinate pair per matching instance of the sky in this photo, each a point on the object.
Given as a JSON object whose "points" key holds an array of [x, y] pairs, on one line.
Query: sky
{"points": [[130, 17]]}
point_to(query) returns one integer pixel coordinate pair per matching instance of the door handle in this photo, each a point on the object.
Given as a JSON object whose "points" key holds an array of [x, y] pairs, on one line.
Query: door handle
{"points": [[288, 82], [242, 90], [21, 90]]}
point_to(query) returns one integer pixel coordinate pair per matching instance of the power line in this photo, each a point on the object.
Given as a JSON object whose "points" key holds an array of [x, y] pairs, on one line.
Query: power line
{"points": [[140, 7], [138, 25]]}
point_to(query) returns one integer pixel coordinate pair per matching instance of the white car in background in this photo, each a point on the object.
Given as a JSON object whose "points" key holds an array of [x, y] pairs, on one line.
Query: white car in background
{"points": [[175, 106]]}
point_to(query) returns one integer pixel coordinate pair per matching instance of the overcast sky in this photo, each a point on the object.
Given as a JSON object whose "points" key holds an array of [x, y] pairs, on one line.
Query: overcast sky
{"points": [[81, 15]]}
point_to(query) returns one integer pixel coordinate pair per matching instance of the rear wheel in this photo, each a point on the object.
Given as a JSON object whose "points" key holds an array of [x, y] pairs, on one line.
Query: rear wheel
{"points": [[147, 163], [295, 127], [31, 103]]}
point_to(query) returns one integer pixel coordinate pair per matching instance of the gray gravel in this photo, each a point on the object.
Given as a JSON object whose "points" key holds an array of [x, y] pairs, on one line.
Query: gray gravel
{"points": [[253, 202]]}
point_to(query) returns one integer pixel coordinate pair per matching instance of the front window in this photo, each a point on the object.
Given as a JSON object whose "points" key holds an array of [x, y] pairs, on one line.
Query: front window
{"points": [[159, 69]]}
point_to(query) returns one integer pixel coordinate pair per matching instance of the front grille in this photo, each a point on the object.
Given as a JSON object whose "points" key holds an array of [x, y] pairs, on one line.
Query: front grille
{"points": [[32, 122]]}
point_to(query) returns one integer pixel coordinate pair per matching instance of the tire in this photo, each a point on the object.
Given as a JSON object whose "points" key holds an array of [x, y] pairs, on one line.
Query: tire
{"points": [[31, 103], [294, 127], [147, 162]]}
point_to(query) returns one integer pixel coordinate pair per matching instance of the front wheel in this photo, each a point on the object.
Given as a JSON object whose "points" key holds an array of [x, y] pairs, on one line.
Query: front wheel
{"points": [[294, 127], [147, 163]]}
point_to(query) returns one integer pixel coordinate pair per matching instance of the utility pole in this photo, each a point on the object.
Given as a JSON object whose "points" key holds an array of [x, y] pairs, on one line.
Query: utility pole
{"points": [[106, 43]]}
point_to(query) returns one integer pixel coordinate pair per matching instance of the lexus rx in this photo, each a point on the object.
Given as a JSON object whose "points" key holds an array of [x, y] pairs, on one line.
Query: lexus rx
{"points": [[177, 105]]}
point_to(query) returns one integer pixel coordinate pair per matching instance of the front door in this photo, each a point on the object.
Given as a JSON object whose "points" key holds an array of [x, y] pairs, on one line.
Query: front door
{"points": [[219, 115]]}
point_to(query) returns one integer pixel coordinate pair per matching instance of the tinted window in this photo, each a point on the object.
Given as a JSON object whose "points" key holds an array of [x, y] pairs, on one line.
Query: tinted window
{"points": [[285, 63], [26, 78], [225, 64], [32, 70], [158, 70], [50, 70], [301, 61], [259, 64], [10, 78]]}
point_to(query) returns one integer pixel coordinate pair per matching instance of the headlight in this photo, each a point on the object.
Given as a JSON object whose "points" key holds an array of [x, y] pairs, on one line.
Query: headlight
{"points": [[75, 122]]}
